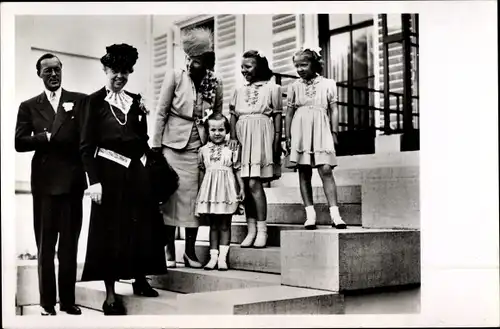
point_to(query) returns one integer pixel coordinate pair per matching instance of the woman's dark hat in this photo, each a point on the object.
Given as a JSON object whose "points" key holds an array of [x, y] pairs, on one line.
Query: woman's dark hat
{"points": [[120, 57]]}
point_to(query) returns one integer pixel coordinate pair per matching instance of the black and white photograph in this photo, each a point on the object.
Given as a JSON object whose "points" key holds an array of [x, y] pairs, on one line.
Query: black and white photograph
{"points": [[267, 159]]}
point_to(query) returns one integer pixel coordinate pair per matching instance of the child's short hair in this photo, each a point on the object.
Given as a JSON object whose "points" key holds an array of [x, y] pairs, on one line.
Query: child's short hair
{"points": [[313, 57], [264, 73], [218, 116]]}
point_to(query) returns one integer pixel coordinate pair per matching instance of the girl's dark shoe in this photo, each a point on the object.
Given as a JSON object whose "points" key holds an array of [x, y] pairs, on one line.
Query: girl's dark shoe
{"points": [[115, 308], [142, 288]]}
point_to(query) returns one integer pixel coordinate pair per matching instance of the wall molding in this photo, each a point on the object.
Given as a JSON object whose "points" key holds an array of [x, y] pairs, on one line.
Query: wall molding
{"points": [[58, 52]]}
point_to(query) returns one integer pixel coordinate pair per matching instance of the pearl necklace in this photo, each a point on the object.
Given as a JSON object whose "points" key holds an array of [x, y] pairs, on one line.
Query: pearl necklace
{"points": [[116, 118]]}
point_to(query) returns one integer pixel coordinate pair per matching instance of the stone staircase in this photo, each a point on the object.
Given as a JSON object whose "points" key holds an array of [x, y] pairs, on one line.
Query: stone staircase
{"points": [[326, 271]]}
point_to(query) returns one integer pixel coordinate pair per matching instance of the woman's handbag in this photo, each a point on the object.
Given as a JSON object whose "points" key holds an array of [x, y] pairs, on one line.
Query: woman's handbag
{"points": [[164, 179]]}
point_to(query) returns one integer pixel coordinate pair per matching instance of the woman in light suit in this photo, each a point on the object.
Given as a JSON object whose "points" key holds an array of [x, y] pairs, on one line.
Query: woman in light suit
{"points": [[187, 96]]}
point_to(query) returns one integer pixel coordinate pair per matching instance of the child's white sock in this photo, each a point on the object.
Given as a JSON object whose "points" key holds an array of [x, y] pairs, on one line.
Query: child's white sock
{"points": [[335, 216], [310, 212], [222, 261], [310, 216], [214, 253]]}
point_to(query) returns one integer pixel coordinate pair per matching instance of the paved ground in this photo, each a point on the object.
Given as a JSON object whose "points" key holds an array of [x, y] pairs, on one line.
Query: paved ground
{"points": [[34, 310]]}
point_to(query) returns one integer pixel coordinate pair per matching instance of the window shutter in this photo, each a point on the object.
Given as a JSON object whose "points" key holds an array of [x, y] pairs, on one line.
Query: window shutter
{"points": [[228, 36], [160, 61], [287, 35], [285, 42]]}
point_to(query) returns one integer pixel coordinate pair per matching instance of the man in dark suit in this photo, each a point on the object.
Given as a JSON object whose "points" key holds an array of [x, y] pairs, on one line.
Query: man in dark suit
{"points": [[47, 124]]}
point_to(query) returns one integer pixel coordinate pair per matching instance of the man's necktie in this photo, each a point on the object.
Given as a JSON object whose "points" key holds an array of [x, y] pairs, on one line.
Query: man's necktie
{"points": [[53, 101]]}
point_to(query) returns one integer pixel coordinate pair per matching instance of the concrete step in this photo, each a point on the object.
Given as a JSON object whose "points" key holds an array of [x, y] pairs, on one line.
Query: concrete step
{"points": [[265, 260], [294, 213], [261, 300], [27, 281], [35, 310], [354, 259], [239, 232], [92, 295], [189, 280], [285, 205]]}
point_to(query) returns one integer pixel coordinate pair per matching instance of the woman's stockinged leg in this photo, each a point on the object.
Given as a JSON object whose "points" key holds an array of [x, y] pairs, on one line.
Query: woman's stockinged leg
{"points": [[190, 259], [170, 249], [110, 291], [191, 234]]}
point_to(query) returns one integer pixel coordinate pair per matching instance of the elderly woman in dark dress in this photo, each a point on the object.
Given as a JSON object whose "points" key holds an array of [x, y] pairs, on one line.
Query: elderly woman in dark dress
{"points": [[187, 96], [123, 240]]}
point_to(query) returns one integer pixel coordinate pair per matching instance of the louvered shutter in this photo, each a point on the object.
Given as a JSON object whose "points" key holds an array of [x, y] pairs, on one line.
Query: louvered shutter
{"points": [[228, 48], [286, 35], [160, 61]]}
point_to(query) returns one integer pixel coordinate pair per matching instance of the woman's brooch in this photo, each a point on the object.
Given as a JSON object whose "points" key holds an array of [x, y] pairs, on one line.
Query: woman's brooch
{"points": [[142, 104]]}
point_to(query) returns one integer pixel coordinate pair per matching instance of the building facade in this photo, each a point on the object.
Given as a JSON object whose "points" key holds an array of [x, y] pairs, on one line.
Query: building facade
{"points": [[373, 58]]}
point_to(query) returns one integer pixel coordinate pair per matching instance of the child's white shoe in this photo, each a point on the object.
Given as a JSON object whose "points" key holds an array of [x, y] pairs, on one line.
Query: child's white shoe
{"points": [[222, 261], [214, 253], [251, 234], [310, 223], [337, 221], [261, 238]]}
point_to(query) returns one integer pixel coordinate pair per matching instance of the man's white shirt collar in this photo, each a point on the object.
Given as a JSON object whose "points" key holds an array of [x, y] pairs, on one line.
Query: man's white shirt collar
{"points": [[58, 97], [58, 93]]}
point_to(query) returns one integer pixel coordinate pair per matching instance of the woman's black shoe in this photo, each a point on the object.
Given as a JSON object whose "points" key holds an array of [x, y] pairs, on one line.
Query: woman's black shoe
{"points": [[115, 308], [142, 288]]}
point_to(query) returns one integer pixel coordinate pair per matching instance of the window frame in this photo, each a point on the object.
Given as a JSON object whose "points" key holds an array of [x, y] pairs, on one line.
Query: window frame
{"points": [[324, 35]]}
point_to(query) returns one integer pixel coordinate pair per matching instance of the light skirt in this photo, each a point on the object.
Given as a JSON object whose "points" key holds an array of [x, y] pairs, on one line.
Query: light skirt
{"points": [[255, 132], [179, 210], [311, 139], [217, 192]]}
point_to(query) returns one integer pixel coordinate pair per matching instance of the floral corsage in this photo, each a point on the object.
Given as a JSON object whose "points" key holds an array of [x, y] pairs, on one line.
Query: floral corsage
{"points": [[142, 104], [208, 87]]}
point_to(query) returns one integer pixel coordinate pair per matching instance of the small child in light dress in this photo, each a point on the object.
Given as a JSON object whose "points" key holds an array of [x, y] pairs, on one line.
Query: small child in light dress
{"points": [[256, 114], [311, 132], [218, 196]]}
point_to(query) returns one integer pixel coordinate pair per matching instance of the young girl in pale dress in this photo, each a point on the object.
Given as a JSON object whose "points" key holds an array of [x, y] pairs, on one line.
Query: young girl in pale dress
{"points": [[219, 181], [311, 132], [256, 124]]}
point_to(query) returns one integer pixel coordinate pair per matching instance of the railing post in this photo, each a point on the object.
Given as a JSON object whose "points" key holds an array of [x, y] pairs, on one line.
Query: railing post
{"points": [[407, 99], [387, 103]]}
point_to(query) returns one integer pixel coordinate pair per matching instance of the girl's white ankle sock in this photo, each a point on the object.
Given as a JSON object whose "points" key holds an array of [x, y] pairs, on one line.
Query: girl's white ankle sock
{"points": [[310, 213], [335, 215], [222, 261], [214, 253]]}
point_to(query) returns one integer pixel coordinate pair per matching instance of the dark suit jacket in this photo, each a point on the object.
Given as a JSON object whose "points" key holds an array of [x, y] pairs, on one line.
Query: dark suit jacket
{"points": [[56, 167]]}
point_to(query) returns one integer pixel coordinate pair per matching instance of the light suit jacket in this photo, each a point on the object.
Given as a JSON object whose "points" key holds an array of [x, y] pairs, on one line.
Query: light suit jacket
{"points": [[172, 128]]}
